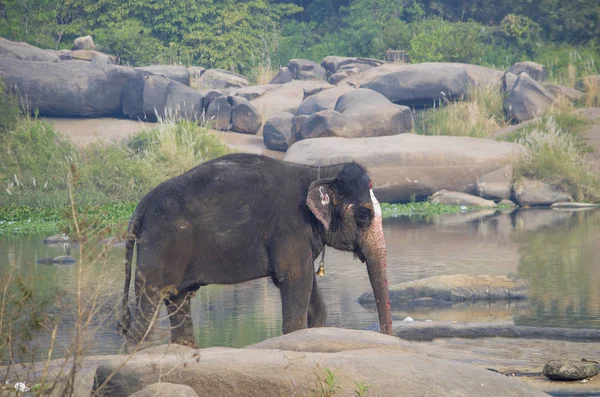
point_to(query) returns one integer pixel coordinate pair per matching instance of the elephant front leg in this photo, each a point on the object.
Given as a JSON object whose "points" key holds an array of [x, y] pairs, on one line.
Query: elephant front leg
{"points": [[180, 317], [317, 314]]}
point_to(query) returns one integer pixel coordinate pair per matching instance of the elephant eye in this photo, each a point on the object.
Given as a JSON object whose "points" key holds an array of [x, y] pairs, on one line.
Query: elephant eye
{"points": [[363, 216]]}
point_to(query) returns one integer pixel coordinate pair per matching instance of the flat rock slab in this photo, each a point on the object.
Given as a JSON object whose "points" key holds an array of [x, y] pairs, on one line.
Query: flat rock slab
{"points": [[267, 372], [460, 198], [431, 330], [459, 287], [404, 165]]}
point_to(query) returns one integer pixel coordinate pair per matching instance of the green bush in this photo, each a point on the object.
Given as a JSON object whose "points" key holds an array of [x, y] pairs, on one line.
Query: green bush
{"points": [[436, 40]]}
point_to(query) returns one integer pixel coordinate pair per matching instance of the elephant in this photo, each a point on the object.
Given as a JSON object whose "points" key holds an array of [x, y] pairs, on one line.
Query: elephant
{"points": [[241, 217]]}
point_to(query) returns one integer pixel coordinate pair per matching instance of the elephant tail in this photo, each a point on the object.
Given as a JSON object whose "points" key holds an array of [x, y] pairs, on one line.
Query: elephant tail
{"points": [[130, 239]]}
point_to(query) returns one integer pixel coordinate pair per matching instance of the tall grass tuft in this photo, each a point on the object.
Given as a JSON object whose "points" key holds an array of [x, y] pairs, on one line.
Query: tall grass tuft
{"points": [[479, 116], [556, 157], [591, 87], [262, 74]]}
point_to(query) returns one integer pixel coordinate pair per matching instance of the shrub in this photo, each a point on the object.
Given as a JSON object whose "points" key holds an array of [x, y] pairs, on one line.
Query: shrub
{"points": [[557, 158]]}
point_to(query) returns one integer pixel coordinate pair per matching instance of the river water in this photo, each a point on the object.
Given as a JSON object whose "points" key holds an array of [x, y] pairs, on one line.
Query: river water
{"points": [[558, 252]]}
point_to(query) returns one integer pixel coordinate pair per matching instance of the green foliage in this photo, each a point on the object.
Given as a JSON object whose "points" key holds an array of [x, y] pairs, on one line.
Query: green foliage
{"points": [[361, 389], [422, 209], [130, 41], [439, 41], [9, 110], [327, 384]]}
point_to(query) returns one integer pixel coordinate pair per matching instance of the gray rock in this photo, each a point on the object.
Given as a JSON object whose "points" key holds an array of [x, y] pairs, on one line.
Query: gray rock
{"points": [[58, 90], [165, 389], [560, 90], [84, 43], [337, 77], [102, 59], [508, 82], [377, 115], [173, 72], [25, 52], [89, 55], [418, 87], [220, 79], [303, 69], [589, 83], [283, 76], [218, 114], [332, 63], [570, 369], [246, 118], [528, 99], [286, 97], [529, 192], [236, 100], [209, 96], [270, 373], [196, 72], [496, 185], [404, 165], [397, 56], [498, 134], [152, 97], [459, 198], [328, 123], [250, 93], [458, 287], [355, 66], [297, 125], [359, 98], [575, 205], [323, 100], [367, 63], [277, 132], [535, 70]]}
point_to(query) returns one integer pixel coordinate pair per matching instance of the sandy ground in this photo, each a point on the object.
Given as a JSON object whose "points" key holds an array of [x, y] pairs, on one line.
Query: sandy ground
{"points": [[82, 131]]}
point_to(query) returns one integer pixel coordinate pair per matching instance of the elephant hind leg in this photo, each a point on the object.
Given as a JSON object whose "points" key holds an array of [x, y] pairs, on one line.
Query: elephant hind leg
{"points": [[148, 300], [317, 313], [180, 317]]}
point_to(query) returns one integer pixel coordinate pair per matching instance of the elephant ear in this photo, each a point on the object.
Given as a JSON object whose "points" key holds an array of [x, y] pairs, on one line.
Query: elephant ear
{"points": [[320, 202]]}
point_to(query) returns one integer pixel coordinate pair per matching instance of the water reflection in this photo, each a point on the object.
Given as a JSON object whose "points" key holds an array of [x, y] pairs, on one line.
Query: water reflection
{"points": [[558, 252]]}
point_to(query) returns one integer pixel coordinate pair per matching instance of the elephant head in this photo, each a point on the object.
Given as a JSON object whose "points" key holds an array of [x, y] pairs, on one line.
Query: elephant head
{"points": [[351, 218]]}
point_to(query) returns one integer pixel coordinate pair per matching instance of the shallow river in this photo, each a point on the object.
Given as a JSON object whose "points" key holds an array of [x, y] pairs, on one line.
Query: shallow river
{"points": [[557, 252]]}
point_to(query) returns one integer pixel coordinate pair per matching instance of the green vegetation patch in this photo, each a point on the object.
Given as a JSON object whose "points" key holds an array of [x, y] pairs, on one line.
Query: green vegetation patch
{"points": [[423, 208]]}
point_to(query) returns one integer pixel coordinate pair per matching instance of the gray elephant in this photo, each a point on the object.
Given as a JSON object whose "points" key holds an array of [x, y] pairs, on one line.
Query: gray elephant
{"points": [[242, 217]]}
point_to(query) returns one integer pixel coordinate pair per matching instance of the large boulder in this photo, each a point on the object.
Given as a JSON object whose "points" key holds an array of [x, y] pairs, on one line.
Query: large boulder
{"points": [[303, 69], [84, 43], [327, 123], [173, 72], [422, 86], [459, 198], [249, 93], [331, 63], [530, 192], [455, 288], [165, 389], [149, 97], [535, 70], [277, 132], [55, 89], [284, 75], [496, 185], [406, 165], [560, 90], [323, 100], [271, 372], [245, 118], [286, 97], [25, 52], [528, 99], [377, 115], [220, 79], [218, 114], [508, 82]]}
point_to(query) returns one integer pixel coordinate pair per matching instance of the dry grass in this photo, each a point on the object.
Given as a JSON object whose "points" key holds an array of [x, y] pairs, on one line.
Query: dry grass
{"points": [[557, 157], [479, 116], [262, 74], [592, 91]]}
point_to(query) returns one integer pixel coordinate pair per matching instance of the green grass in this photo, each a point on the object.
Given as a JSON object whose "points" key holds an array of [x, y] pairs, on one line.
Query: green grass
{"points": [[423, 209]]}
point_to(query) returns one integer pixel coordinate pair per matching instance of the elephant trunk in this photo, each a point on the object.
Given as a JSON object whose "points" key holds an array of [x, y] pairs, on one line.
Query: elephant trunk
{"points": [[375, 254]]}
